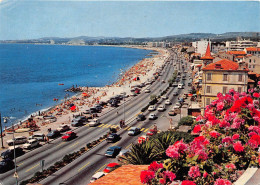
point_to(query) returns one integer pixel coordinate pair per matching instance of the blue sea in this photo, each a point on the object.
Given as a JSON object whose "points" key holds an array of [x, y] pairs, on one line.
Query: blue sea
{"points": [[30, 74]]}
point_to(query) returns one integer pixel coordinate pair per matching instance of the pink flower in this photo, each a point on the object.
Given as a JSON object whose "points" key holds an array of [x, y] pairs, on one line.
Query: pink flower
{"points": [[202, 155], [238, 147], [205, 174], [162, 181], [235, 136], [256, 95], [227, 139], [197, 129], [187, 182], [194, 172], [172, 152], [154, 166], [220, 106], [258, 82], [214, 134], [224, 123], [169, 175], [250, 134], [199, 118], [256, 138], [222, 182], [252, 143], [254, 128], [147, 176], [230, 166]]}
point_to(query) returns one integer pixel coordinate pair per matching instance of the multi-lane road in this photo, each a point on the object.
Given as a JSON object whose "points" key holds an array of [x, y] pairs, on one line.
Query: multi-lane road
{"points": [[81, 170]]}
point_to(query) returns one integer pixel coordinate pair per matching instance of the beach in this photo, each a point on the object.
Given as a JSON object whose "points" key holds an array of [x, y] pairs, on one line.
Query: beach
{"points": [[64, 112]]}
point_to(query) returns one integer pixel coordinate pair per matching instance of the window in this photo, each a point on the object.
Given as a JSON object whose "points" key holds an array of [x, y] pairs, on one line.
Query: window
{"points": [[225, 77], [253, 66], [249, 66], [254, 60], [240, 78], [209, 76], [224, 90], [239, 89], [208, 90], [249, 60], [207, 101]]}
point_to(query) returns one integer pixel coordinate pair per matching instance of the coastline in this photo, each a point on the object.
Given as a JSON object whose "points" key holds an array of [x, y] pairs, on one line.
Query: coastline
{"points": [[143, 69]]}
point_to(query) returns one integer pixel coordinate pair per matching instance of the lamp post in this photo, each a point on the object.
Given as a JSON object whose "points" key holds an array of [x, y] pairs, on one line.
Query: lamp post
{"points": [[15, 168], [124, 94], [1, 131]]}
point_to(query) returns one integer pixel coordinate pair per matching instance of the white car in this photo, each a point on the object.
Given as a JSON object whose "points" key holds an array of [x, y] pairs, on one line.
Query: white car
{"points": [[168, 102], [17, 140], [161, 108], [164, 97], [94, 123], [63, 128], [31, 144], [152, 116], [178, 105], [147, 90], [96, 176], [151, 108], [180, 86]]}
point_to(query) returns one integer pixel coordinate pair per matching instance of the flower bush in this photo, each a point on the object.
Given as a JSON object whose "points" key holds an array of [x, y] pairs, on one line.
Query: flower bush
{"points": [[228, 142]]}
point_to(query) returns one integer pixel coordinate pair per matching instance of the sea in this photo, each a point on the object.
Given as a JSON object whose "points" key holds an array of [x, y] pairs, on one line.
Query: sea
{"points": [[30, 74]]}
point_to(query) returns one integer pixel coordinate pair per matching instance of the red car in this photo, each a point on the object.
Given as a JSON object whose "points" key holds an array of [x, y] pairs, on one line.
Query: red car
{"points": [[151, 132], [69, 135], [111, 167], [137, 91]]}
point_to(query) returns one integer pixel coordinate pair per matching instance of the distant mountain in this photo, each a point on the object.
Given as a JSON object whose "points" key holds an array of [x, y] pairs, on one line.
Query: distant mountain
{"points": [[130, 40]]}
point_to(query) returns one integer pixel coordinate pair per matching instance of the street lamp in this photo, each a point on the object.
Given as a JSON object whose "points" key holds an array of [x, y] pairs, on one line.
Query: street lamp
{"points": [[122, 72], [1, 131], [15, 168]]}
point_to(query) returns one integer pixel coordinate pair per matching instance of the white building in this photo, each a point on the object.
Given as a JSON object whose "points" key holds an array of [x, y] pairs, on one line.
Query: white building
{"points": [[240, 44], [201, 46]]}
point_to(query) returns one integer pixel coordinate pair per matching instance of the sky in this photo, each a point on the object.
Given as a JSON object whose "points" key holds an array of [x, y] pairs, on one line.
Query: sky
{"points": [[32, 19]]}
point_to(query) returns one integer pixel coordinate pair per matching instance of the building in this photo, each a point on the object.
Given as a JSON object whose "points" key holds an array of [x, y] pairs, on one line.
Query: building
{"points": [[220, 77], [201, 46], [217, 47], [236, 56], [253, 63], [240, 44], [253, 51], [207, 58]]}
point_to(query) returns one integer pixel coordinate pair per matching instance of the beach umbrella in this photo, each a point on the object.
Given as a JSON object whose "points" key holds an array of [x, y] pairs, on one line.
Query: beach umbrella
{"points": [[73, 107], [84, 94]]}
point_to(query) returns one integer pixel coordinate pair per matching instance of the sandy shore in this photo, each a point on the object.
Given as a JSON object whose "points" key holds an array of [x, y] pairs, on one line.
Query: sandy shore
{"points": [[144, 70]]}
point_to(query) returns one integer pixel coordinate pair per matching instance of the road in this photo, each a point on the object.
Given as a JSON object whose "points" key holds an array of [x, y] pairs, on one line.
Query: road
{"points": [[29, 163], [81, 170]]}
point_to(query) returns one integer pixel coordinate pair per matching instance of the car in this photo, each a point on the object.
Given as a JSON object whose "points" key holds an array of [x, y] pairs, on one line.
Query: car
{"points": [[137, 91], [97, 176], [152, 116], [17, 140], [178, 105], [164, 97], [181, 100], [63, 128], [122, 153], [189, 84], [180, 86], [9, 153], [93, 110], [111, 167], [94, 122], [168, 102], [134, 131], [140, 117], [98, 108], [38, 136], [31, 144], [174, 84], [6, 165], [148, 83], [175, 93], [151, 132], [113, 138], [161, 108], [113, 151], [147, 90], [68, 136], [163, 81], [151, 108], [171, 113], [53, 134], [78, 121]]}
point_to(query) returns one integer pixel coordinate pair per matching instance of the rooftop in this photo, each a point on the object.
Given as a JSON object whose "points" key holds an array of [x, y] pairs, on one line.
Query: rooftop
{"points": [[236, 52], [223, 64], [253, 49], [125, 175], [207, 55]]}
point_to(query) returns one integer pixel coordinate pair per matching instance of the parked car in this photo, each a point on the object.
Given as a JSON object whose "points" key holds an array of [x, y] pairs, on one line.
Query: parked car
{"points": [[78, 121], [161, 108], [181, 100], [168, 102], [151, 108], [189, 84], [134, 131], [69, 135], [6, 165], [53, 134], [151, 132], [113, 151], [38, 136], [94, 122], [111, 167], [97, 176], [122, 153], [164, 97], [17, 140], [31, 144], [178, 105], [175, 84], [140, 117], [180, 86], [9, 153], [113, 138], [63, 128], [171, 113], [152, 116], [147, 90], [175, 93]]}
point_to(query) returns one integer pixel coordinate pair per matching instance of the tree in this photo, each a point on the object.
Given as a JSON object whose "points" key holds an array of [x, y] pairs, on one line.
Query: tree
{"points": [[186, 121]]}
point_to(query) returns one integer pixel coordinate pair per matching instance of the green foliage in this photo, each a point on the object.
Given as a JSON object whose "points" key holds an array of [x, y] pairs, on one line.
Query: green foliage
{"points": [[152, 97], [186, 121]]}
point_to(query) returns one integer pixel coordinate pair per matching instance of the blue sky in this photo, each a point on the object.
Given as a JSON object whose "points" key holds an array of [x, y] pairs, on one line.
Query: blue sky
{"points": [[25, 19]]}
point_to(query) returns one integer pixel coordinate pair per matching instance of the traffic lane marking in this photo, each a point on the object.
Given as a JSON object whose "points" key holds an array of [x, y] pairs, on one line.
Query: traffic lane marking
{"points": [[128, 146], [32, 167], [74, 144], [62, 143], [101, 167], [20, 164], [83, 167]]}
